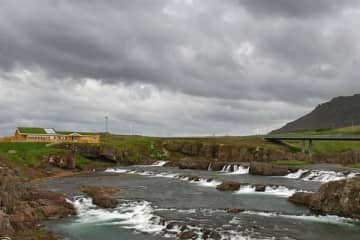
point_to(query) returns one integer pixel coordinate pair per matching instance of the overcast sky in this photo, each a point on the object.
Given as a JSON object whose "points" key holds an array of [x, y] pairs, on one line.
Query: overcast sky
{"points": [[174, 67]]}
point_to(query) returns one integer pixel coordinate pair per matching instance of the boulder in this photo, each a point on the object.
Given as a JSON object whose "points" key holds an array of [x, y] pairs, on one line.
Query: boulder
{"points": [[189, 163], [260, 188], [340, 198], [267, 169], [101, 195], [228, 186], [105, 201], [188, 235]]}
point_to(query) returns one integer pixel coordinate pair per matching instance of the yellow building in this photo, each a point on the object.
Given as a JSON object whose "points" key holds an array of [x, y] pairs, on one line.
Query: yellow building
{"points": [[27, 134]]}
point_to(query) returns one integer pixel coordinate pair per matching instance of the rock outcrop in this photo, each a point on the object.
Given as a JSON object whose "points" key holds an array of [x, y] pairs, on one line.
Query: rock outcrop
{"points": [[189, 163], [225, 153], [23, 207], [335, 198], [267, 169], [63, 160], [260, 188]]}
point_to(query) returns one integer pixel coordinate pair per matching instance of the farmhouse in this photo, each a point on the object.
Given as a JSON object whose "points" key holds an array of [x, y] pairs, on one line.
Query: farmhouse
{"points": [[27, 134]]}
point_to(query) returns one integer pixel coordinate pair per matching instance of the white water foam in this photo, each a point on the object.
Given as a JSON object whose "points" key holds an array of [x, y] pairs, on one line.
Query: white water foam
{"points": [[280, 191], [240, 170], [159, 163], [226, 168], [138, 216], [331, 219], [246, 189], [297, 174], [116, 170], [202, 181], [235, 169], [206, 183], [319, 175], [166, 175]]}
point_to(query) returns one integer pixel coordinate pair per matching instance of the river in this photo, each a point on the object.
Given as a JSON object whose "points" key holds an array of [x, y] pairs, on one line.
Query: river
{"points": [[160, 203]]}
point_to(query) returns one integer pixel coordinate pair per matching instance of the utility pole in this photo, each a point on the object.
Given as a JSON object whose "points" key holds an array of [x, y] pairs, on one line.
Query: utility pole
{"points": [[106, 124]]}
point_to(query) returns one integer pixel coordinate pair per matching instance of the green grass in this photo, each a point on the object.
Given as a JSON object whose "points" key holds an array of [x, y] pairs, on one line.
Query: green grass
{"points": [[32, 130], [81, 133], [328, 148], [31, 154], [26, 154], [138, 148], [290, 163], [354, 130]]}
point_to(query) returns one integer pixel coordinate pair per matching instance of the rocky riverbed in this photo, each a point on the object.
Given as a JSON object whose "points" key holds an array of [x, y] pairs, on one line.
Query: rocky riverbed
{"points": [[159, 202], [185, 200]]}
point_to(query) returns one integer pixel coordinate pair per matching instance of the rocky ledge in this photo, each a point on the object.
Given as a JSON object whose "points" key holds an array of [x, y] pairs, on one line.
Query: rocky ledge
{"points": [[340, 198], [22, 207], [267, 169], [102, 196]]}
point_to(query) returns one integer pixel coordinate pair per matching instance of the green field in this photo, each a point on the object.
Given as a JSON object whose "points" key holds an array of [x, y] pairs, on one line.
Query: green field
{"points": [[27, 154], [139, 148], [328, 148], [30, 154]]}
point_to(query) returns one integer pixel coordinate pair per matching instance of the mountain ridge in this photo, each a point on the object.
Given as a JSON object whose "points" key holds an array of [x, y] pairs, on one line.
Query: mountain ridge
{"points": [[342, 111]]}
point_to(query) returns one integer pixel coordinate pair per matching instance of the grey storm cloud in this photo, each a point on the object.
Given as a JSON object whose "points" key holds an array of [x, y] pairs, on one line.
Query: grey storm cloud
{"points": [[294, 8], [227, 60]]}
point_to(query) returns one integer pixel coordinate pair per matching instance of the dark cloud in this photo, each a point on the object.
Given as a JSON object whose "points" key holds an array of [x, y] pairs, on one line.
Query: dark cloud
{"points": [[298, 9], [229, 59]]}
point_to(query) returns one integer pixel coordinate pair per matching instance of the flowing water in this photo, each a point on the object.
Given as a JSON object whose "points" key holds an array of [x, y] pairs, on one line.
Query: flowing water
{"points": [[162, 203]]}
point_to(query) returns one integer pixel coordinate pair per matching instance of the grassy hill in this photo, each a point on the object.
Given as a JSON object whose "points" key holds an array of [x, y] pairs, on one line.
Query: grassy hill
{"points": [[328, 148], [337, 113]]}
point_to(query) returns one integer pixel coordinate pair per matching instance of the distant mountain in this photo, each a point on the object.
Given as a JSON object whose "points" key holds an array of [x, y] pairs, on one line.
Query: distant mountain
{"points": [[337, 113]]}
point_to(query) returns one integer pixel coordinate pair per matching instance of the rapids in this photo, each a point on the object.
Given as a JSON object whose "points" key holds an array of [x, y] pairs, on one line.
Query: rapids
{"points": [[164, 203]]}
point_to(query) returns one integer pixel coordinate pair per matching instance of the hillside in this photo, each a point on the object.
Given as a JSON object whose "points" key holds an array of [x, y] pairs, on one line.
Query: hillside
{"points": [[337, 113]]}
